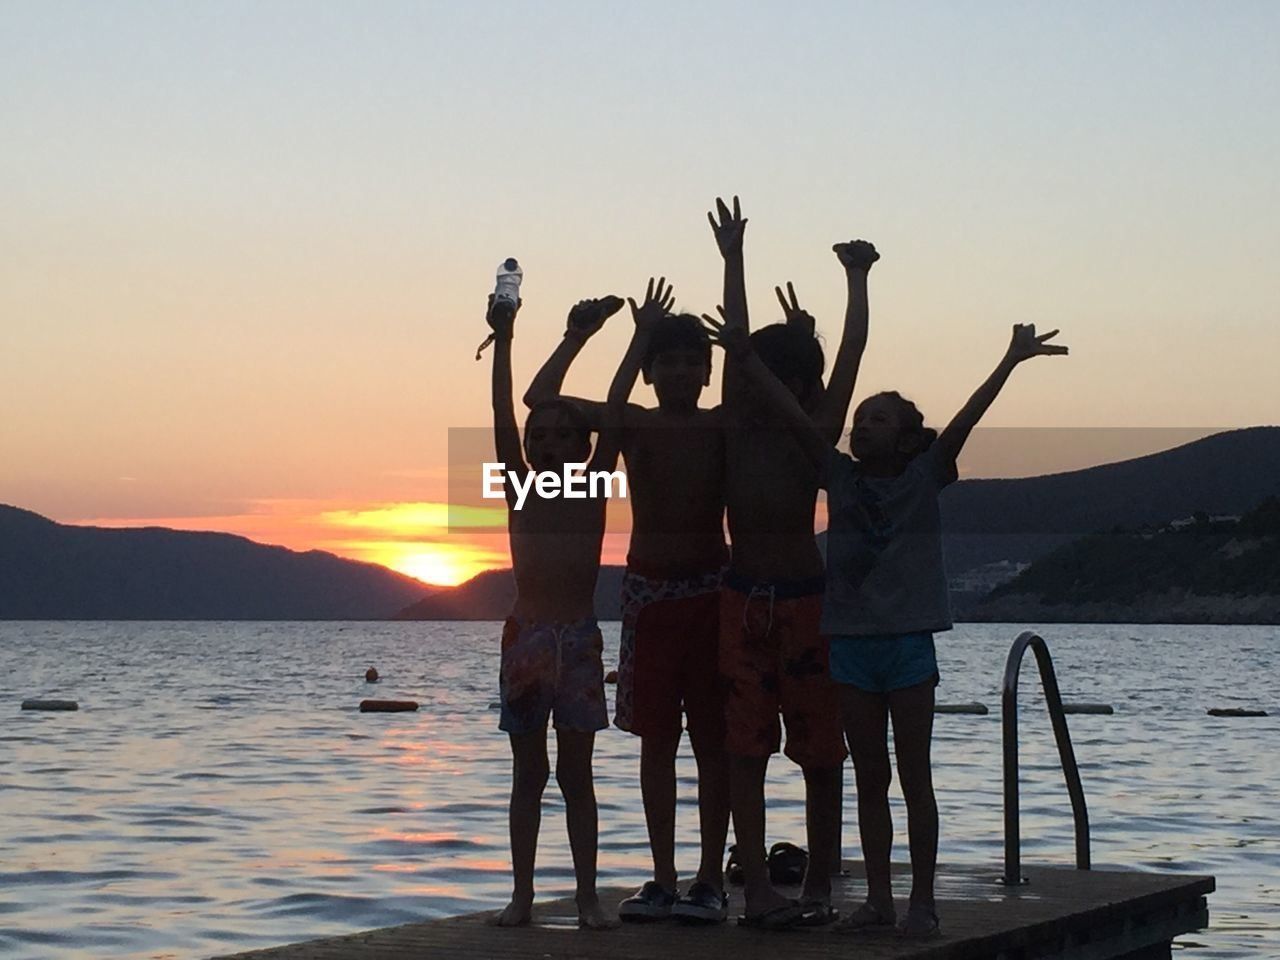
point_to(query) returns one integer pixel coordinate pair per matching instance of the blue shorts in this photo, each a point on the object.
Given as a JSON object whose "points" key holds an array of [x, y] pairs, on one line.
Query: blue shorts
{"points": [[879, 664]]}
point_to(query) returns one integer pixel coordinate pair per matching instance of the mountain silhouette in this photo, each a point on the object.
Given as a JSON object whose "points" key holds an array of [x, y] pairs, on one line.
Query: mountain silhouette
{"points": [[490, 595], [1199, 570], [56, 571], [985, 521]]}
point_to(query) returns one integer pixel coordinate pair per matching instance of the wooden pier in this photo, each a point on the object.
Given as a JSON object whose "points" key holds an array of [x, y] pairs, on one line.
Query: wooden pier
{"points": [[1061, 912]]}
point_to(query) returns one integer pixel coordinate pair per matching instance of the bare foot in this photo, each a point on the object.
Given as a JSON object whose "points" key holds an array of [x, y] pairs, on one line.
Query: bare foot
{"points": [[591, 915], [517, 913]]}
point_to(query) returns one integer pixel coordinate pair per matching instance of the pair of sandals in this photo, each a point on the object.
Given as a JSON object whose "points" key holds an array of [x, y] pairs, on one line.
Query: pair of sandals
{"points": [[786, 862], [792, 914], [920, 923]]}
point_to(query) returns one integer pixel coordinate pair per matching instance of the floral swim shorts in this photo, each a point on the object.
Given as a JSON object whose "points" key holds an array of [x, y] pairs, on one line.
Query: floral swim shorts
{"points": [[552, 671]]}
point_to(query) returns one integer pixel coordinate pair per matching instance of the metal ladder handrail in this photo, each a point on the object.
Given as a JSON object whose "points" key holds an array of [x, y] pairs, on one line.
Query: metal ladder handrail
{"points": [[1009, 711]]}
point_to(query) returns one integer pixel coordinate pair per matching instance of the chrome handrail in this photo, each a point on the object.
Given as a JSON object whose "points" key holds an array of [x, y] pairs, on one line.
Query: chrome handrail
{"points": [[1009, 708]]}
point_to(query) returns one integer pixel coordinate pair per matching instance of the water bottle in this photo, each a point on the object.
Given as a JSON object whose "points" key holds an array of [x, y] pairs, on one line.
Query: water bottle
{"points": [[506, 292], [506, 296]]}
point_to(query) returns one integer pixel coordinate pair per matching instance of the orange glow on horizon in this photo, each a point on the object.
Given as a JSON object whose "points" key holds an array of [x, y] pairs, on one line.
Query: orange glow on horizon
{"points": [[414, 539], [410, 538]]}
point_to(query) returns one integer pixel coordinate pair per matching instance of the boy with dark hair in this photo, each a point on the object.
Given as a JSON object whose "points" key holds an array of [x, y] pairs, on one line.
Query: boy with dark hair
{"points": [[674, 333], [551, 645], [670, 595], [772, 655]]}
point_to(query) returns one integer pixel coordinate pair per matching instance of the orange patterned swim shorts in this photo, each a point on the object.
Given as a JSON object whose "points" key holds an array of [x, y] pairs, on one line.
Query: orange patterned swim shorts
{"points": [[774, 660]]}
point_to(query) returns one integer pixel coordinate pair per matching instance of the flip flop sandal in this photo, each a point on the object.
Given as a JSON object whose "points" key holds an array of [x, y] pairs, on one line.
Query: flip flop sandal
{"points": [[787, 864], [779, 918], [818, 913], [867, 918]]}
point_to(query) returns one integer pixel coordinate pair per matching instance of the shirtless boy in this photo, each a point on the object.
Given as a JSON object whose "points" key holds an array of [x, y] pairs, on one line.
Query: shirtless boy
{"points": [[670, 603], [772, 655], [551, 645]]}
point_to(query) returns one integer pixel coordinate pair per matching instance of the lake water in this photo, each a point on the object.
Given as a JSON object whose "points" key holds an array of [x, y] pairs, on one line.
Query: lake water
{"points": [[218, 789]]}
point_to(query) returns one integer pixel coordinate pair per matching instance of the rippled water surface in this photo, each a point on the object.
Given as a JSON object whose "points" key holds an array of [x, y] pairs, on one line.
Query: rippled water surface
{"points": [[218, 789]]}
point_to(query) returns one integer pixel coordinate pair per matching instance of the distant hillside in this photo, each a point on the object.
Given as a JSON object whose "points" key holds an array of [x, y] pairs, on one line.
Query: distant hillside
{"points": [[55, 571], [1202, 571], [986, 521], [489, 596], [990, 520]]}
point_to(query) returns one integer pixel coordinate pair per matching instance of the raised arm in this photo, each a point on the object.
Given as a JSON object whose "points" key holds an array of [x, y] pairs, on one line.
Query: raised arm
{"points": [[737, 346], [1022, 346], [729, 230], [506, 435], [584, 321], [856, 258], [658, 300], [657, 303]]}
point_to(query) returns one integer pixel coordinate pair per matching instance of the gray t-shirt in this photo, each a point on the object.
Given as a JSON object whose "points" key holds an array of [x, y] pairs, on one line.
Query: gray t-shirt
{"points": [[885, 572]]}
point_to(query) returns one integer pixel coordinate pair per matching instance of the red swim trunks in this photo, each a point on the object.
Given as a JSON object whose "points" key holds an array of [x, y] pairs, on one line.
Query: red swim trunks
{"points": [[773, 659], [668, 662]]}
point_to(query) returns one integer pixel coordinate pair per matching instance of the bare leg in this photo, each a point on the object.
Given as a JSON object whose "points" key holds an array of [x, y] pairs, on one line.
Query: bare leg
{"points": [[529, 772], [822, 820], [746, 797], [573, 774], [866, 727], [837, 849], [658, 790], [912, 712], [713, 812]]}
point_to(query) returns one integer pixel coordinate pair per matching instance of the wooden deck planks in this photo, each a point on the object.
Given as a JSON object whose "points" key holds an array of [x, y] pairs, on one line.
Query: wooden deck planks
{"points": [[1089, 915]]}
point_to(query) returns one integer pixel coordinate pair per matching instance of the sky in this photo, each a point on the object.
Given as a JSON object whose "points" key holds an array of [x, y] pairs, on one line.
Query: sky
{"points": [[247, 245]]}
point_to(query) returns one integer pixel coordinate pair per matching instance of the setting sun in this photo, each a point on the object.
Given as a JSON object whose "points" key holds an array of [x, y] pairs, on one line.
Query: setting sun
{"points": [[414, 539], [433, 568], [439, 564]]}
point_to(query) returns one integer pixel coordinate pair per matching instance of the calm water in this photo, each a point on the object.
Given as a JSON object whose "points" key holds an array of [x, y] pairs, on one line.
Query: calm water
{"points": [[218, 789]]}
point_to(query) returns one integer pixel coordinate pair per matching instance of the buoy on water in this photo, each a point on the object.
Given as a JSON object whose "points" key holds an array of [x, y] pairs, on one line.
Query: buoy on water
{"points": [[978, 709], [371, 675], [1104, 708], [388, 706], [50, 705], [611, 676], [1236, 712]]}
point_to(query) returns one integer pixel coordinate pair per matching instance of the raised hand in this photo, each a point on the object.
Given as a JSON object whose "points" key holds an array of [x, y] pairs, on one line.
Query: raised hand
{"points": [[856, 254], [731, 337], [502, 321], [586, 317], [1024, 344], [729, 228], [658, 301], [793, 313]]}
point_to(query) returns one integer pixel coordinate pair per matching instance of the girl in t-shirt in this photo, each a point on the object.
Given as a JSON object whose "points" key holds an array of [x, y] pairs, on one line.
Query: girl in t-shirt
{"points": [[886, 595]]}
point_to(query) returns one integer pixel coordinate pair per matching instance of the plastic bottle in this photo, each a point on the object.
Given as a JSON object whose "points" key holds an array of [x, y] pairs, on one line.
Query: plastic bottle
{"points": [[506, 292], [506, 296]]}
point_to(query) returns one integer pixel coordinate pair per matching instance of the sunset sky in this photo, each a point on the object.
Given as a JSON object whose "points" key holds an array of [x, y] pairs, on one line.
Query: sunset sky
{"points": [[247, 245]]}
